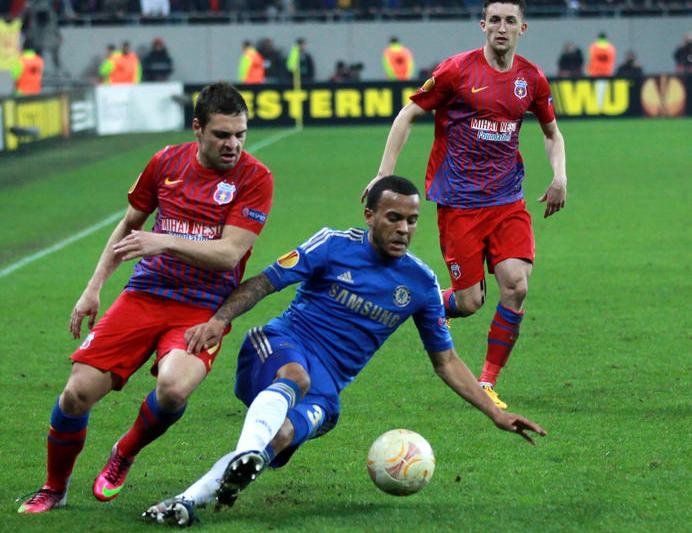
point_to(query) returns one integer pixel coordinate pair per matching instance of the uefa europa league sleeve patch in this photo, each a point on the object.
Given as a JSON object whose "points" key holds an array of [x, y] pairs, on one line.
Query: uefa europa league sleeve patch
{"points": [[289, 260]]}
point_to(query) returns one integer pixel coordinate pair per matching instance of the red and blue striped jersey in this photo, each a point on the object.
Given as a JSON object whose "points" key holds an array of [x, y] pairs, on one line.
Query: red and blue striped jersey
{"points": [[475, 160], [194, 202]]}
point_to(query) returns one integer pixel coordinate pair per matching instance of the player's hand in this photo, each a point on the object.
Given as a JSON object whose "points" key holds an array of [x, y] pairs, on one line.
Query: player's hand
{"points": [[555, 197], [365, 192], [204, 336], [140, 244], [87, 305], [519, 425]]}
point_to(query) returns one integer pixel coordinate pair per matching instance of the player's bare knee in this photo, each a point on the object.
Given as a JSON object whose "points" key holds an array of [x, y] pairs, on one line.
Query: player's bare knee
{"points": [[297, 374], [469, 303], [515, 288], [75, 401], [171, 396]]}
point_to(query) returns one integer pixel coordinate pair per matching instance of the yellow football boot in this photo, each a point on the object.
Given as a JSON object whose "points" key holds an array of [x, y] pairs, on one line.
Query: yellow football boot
{"points": [[488, 388]]}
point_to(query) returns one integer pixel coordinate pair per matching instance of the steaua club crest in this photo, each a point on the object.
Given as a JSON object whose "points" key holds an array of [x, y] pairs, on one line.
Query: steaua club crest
{"points": [[455, 270], [224, 194], [402, 296], [520, 88]]}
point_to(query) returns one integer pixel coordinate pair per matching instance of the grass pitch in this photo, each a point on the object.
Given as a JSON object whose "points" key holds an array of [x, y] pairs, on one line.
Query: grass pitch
{"points": [[603, 362]]}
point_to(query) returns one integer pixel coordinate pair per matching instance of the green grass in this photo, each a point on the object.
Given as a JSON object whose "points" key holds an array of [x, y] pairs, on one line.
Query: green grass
{"points": [[603, 362]]}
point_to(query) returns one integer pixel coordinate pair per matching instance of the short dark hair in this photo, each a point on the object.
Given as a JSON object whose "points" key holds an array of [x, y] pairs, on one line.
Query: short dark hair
{"points": [[520, 3], [395, 184], [220, 97]]}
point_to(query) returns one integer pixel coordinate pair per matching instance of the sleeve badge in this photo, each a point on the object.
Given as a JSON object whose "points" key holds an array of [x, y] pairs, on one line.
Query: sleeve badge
{"points": [[289, 260], [428, 85]]}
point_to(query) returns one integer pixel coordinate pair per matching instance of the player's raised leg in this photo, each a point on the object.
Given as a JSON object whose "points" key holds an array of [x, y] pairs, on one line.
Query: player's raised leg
{"points": [[266, 431], [179, 375], [265, 418], [67, 434]]}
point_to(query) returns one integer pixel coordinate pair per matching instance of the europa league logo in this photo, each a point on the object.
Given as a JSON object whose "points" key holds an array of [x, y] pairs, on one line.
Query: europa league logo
{"points": [[663, 96]]}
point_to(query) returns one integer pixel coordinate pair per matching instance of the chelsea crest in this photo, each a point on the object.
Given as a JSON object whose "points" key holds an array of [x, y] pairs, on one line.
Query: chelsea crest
{"points": [[402, 296]]}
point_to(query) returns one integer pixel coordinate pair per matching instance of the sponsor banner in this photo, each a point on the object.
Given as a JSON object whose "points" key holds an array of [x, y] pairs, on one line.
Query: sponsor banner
{"points": [[666, 96], [321, 103], [2, 137], [31, 119], [82, 111], [651, 96], [379, 102], [142, 107]]}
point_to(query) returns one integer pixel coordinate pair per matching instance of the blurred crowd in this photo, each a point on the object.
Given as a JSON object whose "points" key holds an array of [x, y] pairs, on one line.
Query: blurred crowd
{"points": [[287, 9], [262, 61]]}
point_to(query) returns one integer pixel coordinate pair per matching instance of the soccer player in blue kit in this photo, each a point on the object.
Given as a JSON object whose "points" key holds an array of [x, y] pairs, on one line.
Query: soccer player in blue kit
{"points": [[357, 287]]}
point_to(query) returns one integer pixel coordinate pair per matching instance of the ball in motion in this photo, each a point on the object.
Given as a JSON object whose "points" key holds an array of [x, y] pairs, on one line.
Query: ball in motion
{"points": [[401, 462]]}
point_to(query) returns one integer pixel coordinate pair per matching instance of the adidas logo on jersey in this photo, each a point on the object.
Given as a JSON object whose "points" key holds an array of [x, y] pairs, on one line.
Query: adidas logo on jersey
{"points": [[346, 276]]}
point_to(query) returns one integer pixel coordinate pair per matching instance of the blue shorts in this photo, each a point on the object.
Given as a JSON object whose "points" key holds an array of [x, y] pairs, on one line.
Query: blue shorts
{"points": [[263, 352]]}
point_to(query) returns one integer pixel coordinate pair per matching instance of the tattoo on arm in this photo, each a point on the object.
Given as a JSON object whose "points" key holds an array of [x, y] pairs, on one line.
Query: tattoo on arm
{"points": [[245, 297]]}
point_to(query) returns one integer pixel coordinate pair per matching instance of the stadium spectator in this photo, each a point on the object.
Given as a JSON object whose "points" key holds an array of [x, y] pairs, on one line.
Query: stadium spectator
{"points": [[601, 57], [475, 172], [251, 65], [108, 64], [570, 62], [212, 199], [397, 61], [42, 30], [683, 56], [630, 68], [292, 370], [300, 58], [28, 72], [345, 73], [10, 42], [274, 62], [341, 73], [126, 66], [157, 64]]}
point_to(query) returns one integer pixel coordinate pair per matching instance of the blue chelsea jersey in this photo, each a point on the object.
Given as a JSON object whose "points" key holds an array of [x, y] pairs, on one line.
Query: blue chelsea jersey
{"points": [[351, 299]]}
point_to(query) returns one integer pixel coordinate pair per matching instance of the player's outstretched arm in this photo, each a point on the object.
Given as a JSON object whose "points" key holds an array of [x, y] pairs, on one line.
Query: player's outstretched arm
{"points": [[88, 303], [398, 134], [241, 300], [555, 197], [459, 378], [218, 254]]}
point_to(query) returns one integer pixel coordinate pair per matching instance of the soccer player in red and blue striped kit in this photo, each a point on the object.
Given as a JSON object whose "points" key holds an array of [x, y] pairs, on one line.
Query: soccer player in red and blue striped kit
{"points": [[475, 172], [212, 200]]}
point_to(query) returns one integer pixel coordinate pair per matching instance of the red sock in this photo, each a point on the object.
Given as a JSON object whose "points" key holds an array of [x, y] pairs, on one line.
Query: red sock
{"points": [[504, 331], [66, 438], [150, 424], [63, 449]]}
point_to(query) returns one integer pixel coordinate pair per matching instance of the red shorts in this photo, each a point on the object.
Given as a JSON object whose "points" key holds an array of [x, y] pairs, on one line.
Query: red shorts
{"points": [[468, 237], [136, 325]]}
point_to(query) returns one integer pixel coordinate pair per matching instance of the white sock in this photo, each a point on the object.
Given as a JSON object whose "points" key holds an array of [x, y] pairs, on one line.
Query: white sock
{"points": [[264, 418], [202, 491]]}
